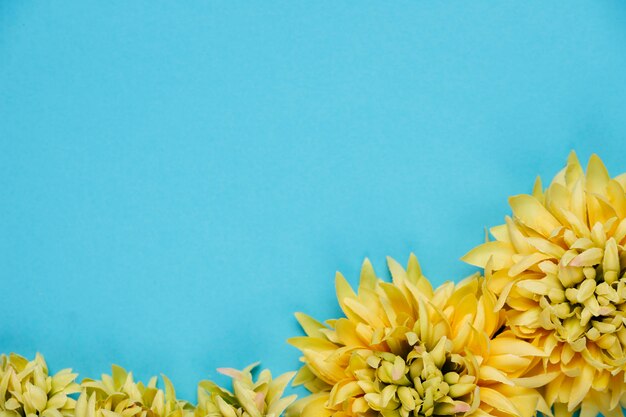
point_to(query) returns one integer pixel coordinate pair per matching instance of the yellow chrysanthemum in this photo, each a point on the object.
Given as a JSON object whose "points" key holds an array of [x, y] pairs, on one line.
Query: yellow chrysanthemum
{"points": [[118, 395], [557, 267], [260, 398], [27, 390], [405, 350]]}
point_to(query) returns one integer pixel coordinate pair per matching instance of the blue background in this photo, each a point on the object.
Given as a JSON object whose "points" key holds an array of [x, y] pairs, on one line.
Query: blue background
{"points": [[178, 178]]}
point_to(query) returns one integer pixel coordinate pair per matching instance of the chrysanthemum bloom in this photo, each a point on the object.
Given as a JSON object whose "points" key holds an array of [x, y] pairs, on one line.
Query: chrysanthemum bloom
{"points": [[118, 395], [260, 398], [405, 350], [27, 390], [557, 267]]}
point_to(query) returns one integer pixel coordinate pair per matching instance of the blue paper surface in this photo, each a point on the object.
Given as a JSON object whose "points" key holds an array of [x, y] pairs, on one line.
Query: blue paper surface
{"points": [[177, 179]]}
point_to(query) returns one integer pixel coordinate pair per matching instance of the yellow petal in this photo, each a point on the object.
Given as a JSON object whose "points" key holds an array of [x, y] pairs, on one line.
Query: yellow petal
{"points": [[508, 345], [533, 214], [590, 257], [489, 373], [497, 401], [368, 276], [517, 238], [310, 326], [526, 262], [500, 252], [344, 292], [573, 170], [580, 387], [536, 381], [500, 232], [344, 390], [314, 406], [37, 396], [597, 175]]}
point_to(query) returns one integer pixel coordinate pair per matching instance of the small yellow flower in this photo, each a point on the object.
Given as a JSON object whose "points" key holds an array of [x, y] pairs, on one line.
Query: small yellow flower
{"points": [[404, 349], [260, 398], [558, 267], [118, 395], [27, 390]]}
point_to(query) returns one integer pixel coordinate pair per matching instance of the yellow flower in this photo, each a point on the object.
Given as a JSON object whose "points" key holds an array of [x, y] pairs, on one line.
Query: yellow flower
{"points": [[557, 267], [118, 395], [405, 350], [260, 398], [26, 389]]}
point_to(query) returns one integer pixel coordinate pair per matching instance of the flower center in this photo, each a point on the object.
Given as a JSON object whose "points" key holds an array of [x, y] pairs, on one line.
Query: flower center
{"points": [[585, 296], [435, 383]]}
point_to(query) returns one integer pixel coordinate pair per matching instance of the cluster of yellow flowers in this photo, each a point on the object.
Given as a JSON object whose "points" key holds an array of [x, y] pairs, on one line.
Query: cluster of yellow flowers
{"points": [[540, 329], [27, 390], [404, 349]]}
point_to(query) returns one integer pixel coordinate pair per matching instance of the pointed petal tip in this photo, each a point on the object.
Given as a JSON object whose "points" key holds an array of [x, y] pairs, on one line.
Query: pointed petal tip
{"points": [[231, 372], [572, 158]]}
